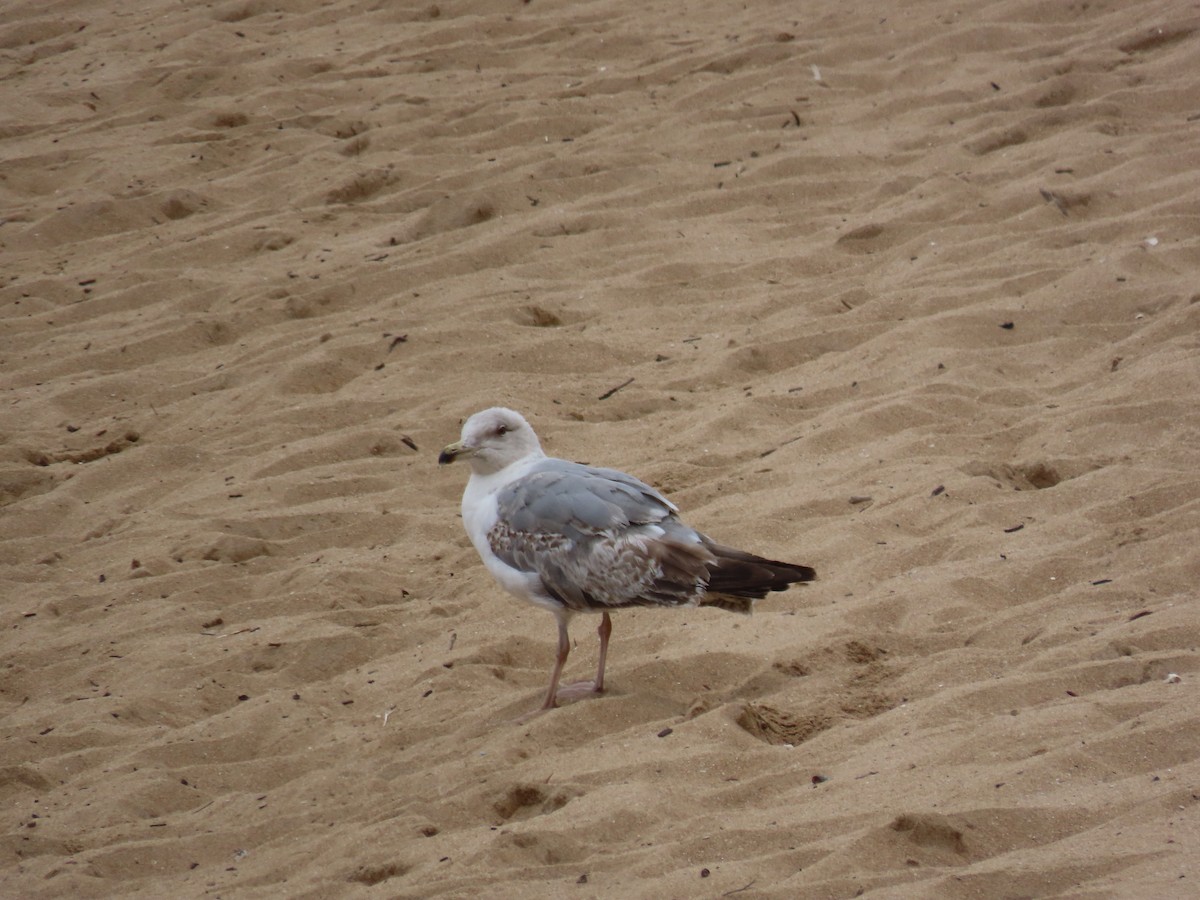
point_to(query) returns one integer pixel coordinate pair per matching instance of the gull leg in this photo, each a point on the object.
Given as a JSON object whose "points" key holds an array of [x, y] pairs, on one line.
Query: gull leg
{"points": [[564, 650], [578, 689], [604, 631]]}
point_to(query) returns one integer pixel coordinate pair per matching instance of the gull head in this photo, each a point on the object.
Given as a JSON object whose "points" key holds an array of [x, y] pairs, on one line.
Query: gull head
{"points": [[492, 440]]}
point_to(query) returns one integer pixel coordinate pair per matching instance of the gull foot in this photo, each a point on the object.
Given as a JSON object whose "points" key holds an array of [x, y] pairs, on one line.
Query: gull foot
{"points": [[569, 692], [577, 690]]}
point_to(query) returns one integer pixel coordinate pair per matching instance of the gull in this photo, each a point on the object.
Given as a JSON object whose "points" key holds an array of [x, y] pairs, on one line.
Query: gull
{"points": [[572, 538]]}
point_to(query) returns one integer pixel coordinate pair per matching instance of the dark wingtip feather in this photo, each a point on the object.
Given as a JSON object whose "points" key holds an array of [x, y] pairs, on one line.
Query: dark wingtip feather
{"points": [[739, 574]]}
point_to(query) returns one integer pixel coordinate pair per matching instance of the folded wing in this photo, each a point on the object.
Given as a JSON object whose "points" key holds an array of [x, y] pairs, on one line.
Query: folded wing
{"points": [[601, 539]]}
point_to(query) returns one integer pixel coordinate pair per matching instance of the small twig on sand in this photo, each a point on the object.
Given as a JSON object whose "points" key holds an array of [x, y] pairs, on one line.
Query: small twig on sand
{"points": [[612, 391], [744, 887]]}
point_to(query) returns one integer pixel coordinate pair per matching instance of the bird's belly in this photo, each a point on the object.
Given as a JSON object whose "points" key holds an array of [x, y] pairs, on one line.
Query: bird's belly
{"points": [[525, 585], [479, 515]]}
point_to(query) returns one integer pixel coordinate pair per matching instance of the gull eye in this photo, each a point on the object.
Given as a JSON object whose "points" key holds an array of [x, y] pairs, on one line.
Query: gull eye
{"points": [[501, 430]]}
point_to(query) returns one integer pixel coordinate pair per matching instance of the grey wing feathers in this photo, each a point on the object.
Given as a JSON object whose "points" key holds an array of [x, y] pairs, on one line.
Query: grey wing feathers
{"points": [[598, 538], [576, 500]]}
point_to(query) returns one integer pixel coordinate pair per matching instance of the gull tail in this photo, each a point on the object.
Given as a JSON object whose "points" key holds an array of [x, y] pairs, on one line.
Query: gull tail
{"points": [[736, 578]]}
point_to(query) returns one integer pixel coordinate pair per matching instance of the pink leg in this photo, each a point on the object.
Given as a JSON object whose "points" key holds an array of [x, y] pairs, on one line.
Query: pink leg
{"points": [[564, 650], [604, 631], [580, 688]]}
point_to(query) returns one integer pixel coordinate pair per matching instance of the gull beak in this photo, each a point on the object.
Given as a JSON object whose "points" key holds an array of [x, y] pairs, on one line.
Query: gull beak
{"points": [[451, 452]]}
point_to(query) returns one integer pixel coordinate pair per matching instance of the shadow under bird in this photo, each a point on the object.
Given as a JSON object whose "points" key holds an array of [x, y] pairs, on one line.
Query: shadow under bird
{"points": [[572, 538]]}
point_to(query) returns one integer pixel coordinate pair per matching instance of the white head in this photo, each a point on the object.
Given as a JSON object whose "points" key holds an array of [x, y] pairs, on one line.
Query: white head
{"points": [[492, 440]]}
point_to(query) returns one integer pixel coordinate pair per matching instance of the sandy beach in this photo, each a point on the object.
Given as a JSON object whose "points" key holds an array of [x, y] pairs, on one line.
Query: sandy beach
{"points": [[904, 292]]}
